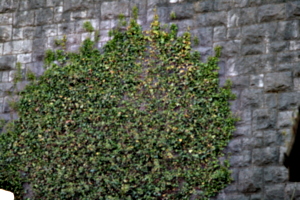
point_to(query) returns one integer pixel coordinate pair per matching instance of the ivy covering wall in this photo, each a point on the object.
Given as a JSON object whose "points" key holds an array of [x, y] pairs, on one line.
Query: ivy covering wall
{"points": [[144, 119]]}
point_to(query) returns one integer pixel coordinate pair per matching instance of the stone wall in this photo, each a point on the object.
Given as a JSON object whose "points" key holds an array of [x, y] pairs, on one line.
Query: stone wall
{"points": [[261, 54]]}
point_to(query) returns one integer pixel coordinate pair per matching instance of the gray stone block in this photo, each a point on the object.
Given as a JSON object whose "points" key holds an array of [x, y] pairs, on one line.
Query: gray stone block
{"points": [[219, 33], [6, 19], [7, 6], [264, 119], [182, 11], [253, 34], [66, 28], [185, 25], [204, 6], [234, 33], [293, 10], [253, 49], [7, 62], [235, 146], [110, 10], [222, 5], [277, 46], [30, 32], [241, 160], [239, 3], [252, 98], [244, 130], [265, 156], [16, 47], [271, 12], [275, 174], [5, 33], [274, 192], [205, 36], [284, 119], [44, 16], [281, 81], [288, 100], [257, 81], [75, 5], [286, 57], [270, 100], [240, 17], [36, 67], [292, 190], [287, 30], [272, 138], [250, 180], [240, 82], [212, 19], [229, 49], [36, 4], [24, 18]]}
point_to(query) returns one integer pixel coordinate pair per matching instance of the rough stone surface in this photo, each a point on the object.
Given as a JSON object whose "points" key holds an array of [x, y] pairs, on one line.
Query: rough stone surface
{"points": [[261, 56]]}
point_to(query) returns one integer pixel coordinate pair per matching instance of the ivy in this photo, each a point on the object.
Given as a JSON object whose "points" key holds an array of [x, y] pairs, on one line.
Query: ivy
{"points": [[144, 119]]}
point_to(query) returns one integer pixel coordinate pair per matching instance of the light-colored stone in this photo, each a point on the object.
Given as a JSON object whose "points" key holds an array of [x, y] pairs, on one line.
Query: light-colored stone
{"points": [[6, 195]]}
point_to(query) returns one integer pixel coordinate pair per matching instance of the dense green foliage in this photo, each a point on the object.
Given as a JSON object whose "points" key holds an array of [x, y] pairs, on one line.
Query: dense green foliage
{"points": [[144, 119]]}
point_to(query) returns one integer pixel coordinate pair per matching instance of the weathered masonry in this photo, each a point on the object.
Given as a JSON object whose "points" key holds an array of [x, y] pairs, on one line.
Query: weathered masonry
{"points": [[261, 55]]}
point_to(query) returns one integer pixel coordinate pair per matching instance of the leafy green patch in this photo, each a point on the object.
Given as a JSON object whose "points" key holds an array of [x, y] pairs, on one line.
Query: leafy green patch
{"points": [[145, 119]]}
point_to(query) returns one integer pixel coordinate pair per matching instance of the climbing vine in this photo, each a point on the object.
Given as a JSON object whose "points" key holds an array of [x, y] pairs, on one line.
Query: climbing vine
{"points": [[144, 119]]}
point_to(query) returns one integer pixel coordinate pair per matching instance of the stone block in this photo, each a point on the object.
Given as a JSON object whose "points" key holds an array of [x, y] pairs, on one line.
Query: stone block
{"points": [[50, 30], [66, 28], [293, 10], [265, 156], [274, 192], [284, 119], [203, 6], [253, 49], [253, 34], [270, 100], [230, 48], [6, 195], [182, 11], [7, 62], [235, 146], [271, 12], [294, 45], [185, 25], [51, 3], [257, 80], [264, 119], [296, 83], [250, 180], [250, 143], [24, 18], [275, 174], [275, 82], [239, 82], [234, 33], [288, 100], [44, 16], [205, 36], [36, 67], [277, 46], [222, 5], [241, 160], [287, 30], [239, 3], [219, 33], [30, 32], [78, 15], [240, 17], [242, 130], [17, 47], [75, 5], [5, 33], [8, 6], [252, 98], [244, 115], [6, 19], [272, 138], [212, 19], [110, 10], [24, 58], [287, 57]]}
